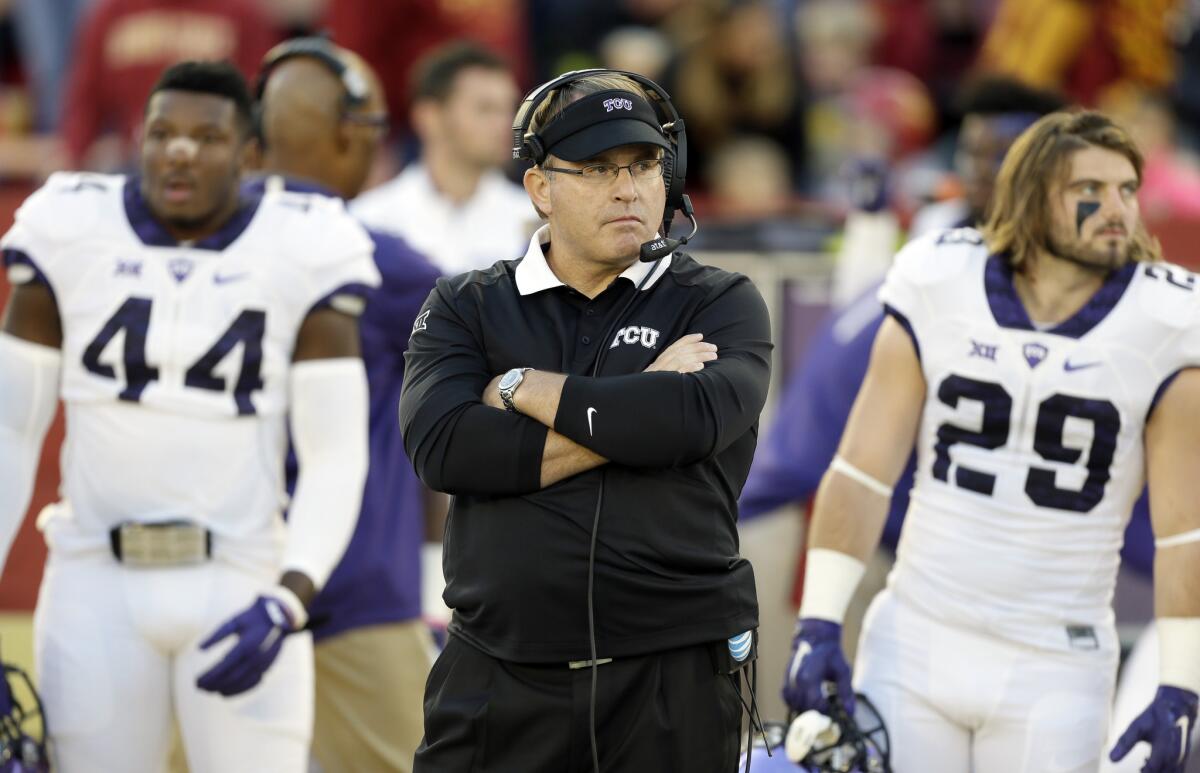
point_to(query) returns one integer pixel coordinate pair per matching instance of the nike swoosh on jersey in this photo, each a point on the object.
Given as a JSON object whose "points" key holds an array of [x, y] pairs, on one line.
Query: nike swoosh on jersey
{"points": [[590, 412], [1071, 367], [227, 278]]}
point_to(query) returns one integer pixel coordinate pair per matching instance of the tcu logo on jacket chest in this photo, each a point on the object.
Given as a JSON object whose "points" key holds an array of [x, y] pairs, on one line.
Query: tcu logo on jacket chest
{"points": [[646, 336]]}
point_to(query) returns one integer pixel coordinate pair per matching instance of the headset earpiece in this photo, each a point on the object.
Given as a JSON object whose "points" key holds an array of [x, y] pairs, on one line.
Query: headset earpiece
{"points": [[533, 149], [673, 190], [678, 170]]}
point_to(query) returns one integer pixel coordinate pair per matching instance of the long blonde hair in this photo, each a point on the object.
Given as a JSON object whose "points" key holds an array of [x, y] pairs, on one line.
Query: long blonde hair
{"points": [[1018, 222]]}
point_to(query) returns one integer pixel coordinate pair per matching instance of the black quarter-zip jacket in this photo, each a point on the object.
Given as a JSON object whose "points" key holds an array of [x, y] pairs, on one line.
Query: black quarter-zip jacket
{"points": [[667, 568]]}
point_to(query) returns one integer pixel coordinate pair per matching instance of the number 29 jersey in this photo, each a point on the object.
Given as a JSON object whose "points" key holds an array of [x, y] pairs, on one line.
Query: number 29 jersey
{"points": [[1030, 447], [175, 357]]}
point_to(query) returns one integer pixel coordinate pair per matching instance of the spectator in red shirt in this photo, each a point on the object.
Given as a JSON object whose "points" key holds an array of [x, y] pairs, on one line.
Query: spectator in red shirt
{"points": [[123, 46], [393, 34]]}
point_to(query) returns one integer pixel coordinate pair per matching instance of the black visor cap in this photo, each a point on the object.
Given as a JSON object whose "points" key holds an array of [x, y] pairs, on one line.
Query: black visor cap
{"points": [[600, 122]]}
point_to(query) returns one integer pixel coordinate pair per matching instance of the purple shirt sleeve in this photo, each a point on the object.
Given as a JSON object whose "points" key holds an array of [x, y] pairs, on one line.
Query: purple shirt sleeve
{"points": [[808, 425], [1138, 551]]}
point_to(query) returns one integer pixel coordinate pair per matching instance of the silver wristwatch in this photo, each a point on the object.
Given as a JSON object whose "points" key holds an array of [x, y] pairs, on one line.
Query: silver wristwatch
{"points": [[508, 386]]}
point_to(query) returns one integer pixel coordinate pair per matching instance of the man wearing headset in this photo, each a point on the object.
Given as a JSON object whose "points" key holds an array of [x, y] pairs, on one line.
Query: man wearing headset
{"points": [[323, 115], [594, 416]]}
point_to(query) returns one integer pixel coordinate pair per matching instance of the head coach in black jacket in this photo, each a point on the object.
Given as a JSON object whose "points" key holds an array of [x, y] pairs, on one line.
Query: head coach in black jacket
{"points": [[593, 408]]}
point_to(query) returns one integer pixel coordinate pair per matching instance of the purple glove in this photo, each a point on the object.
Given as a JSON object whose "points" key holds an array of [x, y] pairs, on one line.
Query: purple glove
{"points": [[867, 180], [261, 630], [817, 659], [1166, 725]]}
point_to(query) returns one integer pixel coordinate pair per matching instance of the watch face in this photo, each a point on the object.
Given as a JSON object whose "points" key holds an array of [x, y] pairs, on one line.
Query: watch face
{"points": [[510, 379]]}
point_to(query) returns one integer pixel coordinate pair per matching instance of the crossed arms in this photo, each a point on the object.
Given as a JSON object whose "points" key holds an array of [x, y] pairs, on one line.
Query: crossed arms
{"points": [[698, 396]]}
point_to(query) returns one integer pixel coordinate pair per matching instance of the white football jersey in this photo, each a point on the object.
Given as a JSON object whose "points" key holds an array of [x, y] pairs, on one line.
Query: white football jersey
{"points": [[176, 357], [1030, 447]]}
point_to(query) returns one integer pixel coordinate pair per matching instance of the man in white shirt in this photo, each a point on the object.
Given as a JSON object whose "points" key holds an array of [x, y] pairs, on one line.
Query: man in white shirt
{"points": [[453, 203]]}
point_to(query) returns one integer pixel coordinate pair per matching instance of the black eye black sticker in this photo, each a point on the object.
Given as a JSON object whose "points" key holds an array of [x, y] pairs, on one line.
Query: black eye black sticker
{"points": [[1084, 210]]}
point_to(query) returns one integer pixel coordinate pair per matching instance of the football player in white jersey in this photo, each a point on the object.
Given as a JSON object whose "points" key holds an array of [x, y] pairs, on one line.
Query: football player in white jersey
{"points": [[181, 324], [1045, 369]]}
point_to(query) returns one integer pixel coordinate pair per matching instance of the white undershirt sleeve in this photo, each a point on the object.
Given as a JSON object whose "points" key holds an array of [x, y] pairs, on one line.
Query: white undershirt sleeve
{"points": [[29, 377], [329, 417]]}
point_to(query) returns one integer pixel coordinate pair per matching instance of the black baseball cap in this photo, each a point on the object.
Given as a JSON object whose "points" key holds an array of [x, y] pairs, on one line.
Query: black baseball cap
{"points": [[600, 122]]}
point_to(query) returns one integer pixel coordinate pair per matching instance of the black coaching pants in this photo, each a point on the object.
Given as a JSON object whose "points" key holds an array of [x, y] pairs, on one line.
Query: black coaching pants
{"points": [[666, 712]]}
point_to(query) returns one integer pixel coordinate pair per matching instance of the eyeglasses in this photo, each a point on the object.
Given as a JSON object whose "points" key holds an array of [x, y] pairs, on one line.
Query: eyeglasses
{"points": [[646, 169], [377, 121]]}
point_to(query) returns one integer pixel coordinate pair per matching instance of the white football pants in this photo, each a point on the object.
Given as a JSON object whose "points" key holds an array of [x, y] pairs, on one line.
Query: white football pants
{"points": [[117, 660], [958, 701]]}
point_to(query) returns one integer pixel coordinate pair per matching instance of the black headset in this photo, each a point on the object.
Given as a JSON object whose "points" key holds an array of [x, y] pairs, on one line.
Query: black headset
{"points": [[529, 146], [355, 90]]}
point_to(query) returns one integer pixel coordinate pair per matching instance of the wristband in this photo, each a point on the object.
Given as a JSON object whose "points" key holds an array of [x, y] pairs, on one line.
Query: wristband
{"points": [[1179, 652], [1162, 543], [861, 478], [297, 614], [830, 579]]}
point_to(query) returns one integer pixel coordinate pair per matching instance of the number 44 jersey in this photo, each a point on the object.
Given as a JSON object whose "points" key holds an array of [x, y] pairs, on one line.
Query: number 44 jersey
{"points": [[1030, 447], [176, 356]]}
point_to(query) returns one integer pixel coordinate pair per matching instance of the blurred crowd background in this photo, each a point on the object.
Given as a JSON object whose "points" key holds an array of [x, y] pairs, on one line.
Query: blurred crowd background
{"points": [[783, 99]]}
